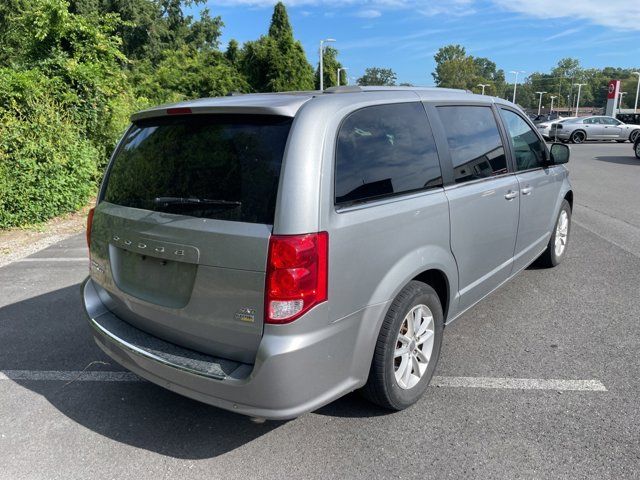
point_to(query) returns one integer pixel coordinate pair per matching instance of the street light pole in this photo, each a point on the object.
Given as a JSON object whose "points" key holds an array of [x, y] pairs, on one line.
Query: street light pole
{"points": [[620, 102], [552, 97], [540, 101], [483, 85], [322, 42], [342, 69], [515, 84], [579, 85], [635, 108]]}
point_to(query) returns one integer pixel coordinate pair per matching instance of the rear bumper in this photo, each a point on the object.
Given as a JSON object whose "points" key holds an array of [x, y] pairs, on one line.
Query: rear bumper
{"points": [[299, 367]]}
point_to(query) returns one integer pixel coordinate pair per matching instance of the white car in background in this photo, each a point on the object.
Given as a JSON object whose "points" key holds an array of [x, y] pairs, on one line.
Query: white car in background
{"points": [[598, 127], [545, 127]]}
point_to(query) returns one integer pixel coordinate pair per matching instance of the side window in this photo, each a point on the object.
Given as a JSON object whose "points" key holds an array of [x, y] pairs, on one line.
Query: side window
{"points": [[385, 150], [527, 146], [610, 121], [474, 142], [590, 121]]}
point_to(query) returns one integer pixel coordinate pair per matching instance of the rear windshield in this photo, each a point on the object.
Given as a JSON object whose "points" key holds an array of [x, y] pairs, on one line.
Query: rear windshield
{"points": [[222, 167]]}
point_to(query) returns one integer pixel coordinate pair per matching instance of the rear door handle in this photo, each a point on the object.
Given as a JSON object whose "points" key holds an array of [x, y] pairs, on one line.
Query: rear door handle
{"points": [[511, 194], [527, 190]]}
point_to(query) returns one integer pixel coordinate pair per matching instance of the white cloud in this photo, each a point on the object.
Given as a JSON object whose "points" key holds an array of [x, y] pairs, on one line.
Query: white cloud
{"points": [[368, 13], [619, 14]]}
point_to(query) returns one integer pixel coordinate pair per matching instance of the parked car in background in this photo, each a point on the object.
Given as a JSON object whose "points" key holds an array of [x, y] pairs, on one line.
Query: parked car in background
{"points": [[544, 128], [545, 117], [269, 253], [629, 118], [579, 130]]}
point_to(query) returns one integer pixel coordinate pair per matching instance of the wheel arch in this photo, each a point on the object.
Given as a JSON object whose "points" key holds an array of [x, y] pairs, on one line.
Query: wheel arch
{"points": [[569, 198], [437, 280]]}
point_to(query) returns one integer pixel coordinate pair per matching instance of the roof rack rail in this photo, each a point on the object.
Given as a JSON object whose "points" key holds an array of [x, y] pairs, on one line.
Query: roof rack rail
{"points": [[344, 89]]}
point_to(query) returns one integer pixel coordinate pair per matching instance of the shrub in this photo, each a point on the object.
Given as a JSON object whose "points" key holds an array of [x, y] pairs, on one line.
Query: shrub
{"points": [[47, 168]]}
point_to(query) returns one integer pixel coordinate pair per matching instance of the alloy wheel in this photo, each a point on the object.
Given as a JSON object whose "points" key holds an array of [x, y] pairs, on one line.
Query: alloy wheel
{"points": [[414, 346], [562, 233]]}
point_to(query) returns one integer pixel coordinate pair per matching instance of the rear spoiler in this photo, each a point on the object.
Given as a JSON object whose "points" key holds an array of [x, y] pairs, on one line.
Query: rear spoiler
{"points": [[242, 104]]}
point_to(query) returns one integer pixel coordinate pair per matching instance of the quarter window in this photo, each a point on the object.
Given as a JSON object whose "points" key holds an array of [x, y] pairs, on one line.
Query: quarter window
{"points": [[385, 150], [610, 121], [474, 142], [527, 146]]}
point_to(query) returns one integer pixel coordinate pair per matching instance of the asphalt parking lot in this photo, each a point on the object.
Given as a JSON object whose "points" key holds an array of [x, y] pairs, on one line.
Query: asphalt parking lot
{"points": [[578, 323]]}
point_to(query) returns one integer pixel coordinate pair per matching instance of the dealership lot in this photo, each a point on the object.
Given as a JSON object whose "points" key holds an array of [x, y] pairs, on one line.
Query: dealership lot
{"points": [[537, 381]]}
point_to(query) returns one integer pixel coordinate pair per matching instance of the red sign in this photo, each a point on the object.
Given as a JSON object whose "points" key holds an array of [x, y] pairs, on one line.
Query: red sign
{"points": [[614, 89]]}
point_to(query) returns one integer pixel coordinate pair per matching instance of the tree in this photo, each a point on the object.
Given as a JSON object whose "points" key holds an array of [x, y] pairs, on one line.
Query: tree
{"points": [[375, 76], [456, 69], [276, 62], [330, 66], [232, 53]]}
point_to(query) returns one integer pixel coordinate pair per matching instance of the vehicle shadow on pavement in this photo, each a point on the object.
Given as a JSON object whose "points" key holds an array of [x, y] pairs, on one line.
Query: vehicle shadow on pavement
{"points": [[49, 333], [623, 160]]}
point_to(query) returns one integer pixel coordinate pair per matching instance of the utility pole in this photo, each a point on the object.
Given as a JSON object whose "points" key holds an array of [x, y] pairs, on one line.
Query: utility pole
{"points": [[483, 85], [635, 108], [540, 101], [515, 84], [552, 97], [322, 42], [579, 85]]}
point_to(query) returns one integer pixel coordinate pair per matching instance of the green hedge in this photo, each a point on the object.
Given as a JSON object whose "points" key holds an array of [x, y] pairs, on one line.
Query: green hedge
{"points": [[46, 167]]}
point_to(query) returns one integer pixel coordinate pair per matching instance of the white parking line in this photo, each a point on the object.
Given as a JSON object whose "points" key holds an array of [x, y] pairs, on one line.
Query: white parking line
{"points": [[459, 382], [519, 383], [53, 259]]}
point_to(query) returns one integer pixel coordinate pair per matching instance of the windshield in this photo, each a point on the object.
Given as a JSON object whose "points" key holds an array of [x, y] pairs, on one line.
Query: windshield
{"points": [[223, 167]]}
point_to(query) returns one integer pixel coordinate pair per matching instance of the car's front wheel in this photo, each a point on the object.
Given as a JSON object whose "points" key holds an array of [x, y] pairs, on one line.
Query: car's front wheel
{"points": [[636, 149], [578, 137], [557, 246], [407, 349], [634, 136]]}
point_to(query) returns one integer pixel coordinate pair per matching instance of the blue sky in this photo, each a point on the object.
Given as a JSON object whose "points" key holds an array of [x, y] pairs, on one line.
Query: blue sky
{"points": [[529, 35]]}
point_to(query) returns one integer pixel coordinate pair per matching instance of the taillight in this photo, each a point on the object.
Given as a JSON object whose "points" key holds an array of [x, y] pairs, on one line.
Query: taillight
{"points": [[89, 225], [297, 269]]}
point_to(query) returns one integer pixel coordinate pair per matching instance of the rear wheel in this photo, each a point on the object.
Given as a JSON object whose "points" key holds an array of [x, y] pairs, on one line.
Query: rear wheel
{"points": [[634, 136], [557, 246], [636, 149], [407, 349], [578, 136]]}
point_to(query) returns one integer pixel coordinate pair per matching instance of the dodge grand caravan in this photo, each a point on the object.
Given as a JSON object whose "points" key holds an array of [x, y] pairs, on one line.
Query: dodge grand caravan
{"points": [[270, 253]]}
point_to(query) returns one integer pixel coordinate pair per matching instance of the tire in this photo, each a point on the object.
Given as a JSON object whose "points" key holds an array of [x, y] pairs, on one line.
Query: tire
{"points": [[636, 149], [579, 136], [634, 136], [382, 387], [552, 256]]}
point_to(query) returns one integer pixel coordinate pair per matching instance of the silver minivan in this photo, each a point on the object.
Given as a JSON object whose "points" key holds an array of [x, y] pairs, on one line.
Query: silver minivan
{"points": [[269, 253]]}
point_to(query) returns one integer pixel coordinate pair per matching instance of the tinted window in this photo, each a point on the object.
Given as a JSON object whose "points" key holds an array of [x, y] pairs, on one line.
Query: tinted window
{"points": [[474, 142], [385, 150], [527, 146], [591, 121], [214, 166]]}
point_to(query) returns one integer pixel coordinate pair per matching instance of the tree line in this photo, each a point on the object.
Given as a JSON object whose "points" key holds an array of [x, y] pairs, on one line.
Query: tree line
{"points": [[457, 69]]}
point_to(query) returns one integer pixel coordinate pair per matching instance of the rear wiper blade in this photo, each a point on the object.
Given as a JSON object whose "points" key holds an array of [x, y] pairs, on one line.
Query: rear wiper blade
{"points": [[195, 201]]}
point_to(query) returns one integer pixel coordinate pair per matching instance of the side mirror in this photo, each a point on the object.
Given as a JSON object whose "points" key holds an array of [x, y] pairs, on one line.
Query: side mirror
{"points": [[560, 153]]}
